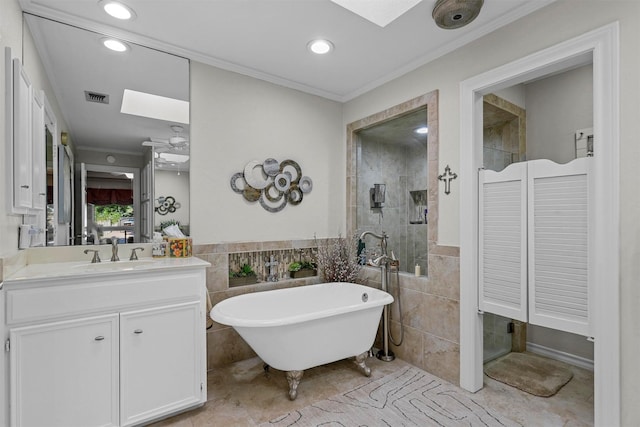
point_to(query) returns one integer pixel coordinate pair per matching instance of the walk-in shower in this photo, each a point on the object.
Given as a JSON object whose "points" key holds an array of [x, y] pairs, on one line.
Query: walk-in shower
{"points": [[394, 154]]}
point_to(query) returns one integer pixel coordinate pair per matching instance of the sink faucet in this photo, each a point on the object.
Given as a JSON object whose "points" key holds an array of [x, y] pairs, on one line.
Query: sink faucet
{"points": [[114, 249], [96, 255]]}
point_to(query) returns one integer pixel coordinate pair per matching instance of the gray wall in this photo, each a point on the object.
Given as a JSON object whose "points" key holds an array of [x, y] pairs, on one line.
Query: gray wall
{"points": [[556, 107]]}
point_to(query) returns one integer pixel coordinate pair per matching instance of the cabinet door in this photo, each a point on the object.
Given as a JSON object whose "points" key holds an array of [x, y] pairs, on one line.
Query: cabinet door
{"points": [[65, 373], [39, 165], [161, 366], [22, 144]]}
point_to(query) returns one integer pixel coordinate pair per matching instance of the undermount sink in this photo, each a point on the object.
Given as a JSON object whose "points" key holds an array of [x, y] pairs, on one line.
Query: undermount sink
{"points": [[114, 265]]}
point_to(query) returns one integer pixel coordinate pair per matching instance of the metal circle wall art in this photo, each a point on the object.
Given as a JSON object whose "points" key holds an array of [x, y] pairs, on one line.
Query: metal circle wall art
{"points": [[166, 205], [273, 184]]}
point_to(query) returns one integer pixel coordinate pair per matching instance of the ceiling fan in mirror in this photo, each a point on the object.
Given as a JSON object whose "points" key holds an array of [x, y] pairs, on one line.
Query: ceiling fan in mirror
{"points": [[171, 153], [175, 143]]}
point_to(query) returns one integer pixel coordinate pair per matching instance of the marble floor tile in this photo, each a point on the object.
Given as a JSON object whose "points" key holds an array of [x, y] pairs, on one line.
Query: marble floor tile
{"points": [[244, 394]]}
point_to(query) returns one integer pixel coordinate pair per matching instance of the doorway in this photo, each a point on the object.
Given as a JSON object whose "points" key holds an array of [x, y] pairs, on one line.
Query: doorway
{"points": [[110, 204], [599, 47]]}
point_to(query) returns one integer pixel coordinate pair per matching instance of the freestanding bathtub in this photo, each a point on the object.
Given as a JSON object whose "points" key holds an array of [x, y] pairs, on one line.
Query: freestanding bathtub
{"points": [[298, 328]]}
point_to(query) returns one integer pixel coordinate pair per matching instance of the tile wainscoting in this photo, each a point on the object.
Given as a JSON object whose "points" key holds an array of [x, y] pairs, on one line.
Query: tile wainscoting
{"points": [[431, 314]]}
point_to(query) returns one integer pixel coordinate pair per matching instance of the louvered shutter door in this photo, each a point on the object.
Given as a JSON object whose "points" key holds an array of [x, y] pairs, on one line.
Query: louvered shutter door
{"points": [[502, 241], [558, 245]]}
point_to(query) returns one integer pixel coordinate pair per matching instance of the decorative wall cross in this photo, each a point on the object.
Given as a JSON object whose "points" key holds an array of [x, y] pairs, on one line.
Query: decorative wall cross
{"points": [[447, 176], [271, 265]]}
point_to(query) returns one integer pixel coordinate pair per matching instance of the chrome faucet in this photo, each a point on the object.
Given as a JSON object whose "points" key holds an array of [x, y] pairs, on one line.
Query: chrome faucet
{"points": [[134, 255], [114, 249], [382, 237], [96, 255], [381, 259], [382, 262]]}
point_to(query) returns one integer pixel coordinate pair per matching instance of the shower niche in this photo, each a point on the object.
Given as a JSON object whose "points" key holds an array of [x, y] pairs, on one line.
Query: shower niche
{"points": [[417, 211]]}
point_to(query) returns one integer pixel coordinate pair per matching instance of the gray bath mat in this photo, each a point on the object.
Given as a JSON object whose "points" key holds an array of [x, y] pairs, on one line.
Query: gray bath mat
{"points": [[528, 372], [409, 397]]}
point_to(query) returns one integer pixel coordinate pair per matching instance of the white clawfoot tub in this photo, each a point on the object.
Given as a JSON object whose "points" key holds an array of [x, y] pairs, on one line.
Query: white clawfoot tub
{"points": [[299, 328]]}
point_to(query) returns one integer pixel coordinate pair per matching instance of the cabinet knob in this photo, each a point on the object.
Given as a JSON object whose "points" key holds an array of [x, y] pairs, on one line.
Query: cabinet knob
{"points": [[24, 186], [137, 331], [99, 338]]}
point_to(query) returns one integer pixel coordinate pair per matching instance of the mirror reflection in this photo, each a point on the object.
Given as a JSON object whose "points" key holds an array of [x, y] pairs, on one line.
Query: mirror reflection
{"points": [[116, 134]]}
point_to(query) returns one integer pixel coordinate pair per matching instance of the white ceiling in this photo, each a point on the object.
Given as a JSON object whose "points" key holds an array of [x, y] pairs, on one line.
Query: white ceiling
{"points": [[267, 38]]}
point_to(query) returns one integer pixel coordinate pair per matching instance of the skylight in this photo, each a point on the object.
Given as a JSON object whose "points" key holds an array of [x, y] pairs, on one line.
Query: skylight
{"points": [[380, 12], [155, 106]]}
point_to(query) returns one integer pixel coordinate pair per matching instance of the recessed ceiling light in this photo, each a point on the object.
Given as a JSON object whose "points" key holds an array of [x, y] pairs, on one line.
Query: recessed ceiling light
{"points": [[320, 46], [117, 10], [422, 130], [115, 45]]}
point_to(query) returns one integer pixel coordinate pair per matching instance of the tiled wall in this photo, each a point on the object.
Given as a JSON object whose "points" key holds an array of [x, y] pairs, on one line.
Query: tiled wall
{"points": [[430, 306], [224, 345], [430, 314], [402, 168], [282, 257]]}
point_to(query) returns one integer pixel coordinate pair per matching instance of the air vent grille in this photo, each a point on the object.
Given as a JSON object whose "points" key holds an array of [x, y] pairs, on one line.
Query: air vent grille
{"points": [[96, 97]]}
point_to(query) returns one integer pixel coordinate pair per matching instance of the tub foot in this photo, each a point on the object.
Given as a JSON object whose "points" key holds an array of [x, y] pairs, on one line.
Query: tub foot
{"points": [[294, 377], [362, 367]]}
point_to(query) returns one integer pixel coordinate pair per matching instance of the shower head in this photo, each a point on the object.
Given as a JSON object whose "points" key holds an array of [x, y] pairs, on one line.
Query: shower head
{"points": [[452, 14]]}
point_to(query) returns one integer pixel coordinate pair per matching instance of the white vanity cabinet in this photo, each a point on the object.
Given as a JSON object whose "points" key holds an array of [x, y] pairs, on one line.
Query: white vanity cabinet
{"points": [[158, 373], [106, 349], [65, 373]]}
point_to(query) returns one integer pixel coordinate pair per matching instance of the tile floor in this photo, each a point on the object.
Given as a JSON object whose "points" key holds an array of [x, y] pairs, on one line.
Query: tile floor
{"points": [[242, 394]]}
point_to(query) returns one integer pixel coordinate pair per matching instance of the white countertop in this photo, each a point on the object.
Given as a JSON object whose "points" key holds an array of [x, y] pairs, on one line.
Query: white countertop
{"points": [[78, 269]]}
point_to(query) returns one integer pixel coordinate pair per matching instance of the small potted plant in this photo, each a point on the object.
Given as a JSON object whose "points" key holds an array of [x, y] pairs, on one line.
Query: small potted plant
{"points": [[244, 276], [302, 269]]}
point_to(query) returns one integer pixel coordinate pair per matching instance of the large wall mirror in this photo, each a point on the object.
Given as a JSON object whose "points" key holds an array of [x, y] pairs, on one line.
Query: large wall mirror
{"points": [[122, 120]]}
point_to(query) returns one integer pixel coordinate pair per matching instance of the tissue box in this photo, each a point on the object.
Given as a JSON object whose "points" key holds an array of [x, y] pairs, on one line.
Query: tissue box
{"points": [[179, 247], [159, 249]]}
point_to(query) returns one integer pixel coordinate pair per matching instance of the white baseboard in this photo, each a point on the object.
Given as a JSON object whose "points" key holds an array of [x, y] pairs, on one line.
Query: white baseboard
{"points": [[569, 358]]}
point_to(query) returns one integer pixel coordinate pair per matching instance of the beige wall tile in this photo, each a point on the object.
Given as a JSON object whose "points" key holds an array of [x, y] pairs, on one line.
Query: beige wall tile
{"points": [[413, 309], [411, 349], [444, 276], [218, 273], [225, 346], [441, 358], [441, 317]]}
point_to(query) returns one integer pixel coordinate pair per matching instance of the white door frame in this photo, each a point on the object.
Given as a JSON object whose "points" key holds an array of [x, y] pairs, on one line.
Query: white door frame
{"points": [[601, 46], [135, 182]]}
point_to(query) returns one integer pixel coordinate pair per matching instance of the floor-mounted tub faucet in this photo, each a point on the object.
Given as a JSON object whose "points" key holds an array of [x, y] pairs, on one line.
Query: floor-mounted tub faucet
{"points": [[382, 261]]}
